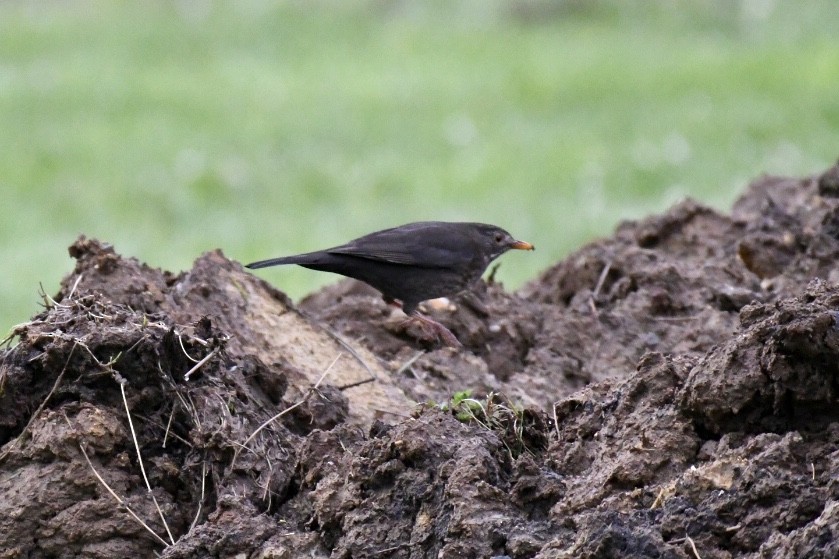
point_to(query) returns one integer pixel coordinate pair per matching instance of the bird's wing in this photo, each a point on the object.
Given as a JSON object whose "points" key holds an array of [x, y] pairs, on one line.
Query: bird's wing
{"points": [[418, 245], [416, 255]]}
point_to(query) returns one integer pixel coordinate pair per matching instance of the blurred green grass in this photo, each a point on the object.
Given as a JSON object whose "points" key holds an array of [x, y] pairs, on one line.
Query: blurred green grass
{"points": [[267, 128]]}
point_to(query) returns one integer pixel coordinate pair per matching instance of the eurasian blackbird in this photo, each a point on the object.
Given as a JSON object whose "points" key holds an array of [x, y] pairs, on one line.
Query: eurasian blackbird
{"points": [[414, 262]]}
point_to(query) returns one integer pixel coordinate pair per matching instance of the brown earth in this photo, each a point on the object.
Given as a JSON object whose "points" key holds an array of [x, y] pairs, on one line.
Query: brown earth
{"points": [[670, 391]]}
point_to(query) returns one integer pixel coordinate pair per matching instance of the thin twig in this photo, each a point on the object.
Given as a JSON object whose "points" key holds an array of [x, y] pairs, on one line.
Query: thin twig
{"points": [[200, 363], [356, 383]]}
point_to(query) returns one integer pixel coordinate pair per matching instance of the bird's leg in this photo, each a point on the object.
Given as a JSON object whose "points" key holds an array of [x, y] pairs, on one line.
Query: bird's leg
{"points": [[429, 327], [435, 329]]}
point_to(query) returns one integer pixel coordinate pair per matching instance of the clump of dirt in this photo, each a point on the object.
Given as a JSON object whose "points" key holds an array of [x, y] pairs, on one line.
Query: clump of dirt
{"points": [[670, 391]]}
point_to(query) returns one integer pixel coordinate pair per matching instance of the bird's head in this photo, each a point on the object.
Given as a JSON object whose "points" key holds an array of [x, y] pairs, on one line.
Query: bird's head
{"points": [[497, 241]]}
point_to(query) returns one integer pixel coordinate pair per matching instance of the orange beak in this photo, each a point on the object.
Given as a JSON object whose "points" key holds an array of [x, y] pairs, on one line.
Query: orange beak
{"points": [[521, 245]]}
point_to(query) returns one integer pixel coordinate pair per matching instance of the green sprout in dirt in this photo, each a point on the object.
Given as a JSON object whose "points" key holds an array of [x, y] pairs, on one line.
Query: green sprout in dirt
{"points": [[463, 406], [510, 422]]}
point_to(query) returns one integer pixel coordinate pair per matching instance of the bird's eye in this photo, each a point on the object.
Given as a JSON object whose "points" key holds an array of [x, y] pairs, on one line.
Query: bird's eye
{"points": [[499, 237]]}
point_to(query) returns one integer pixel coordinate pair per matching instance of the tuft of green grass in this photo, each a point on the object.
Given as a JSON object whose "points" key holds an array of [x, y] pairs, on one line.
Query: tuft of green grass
{"points": [[461, 405], [520, 430], [267, 128]]}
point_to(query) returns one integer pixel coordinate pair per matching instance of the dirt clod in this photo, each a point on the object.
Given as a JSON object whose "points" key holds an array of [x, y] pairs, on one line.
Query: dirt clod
{"points": [[669, 391]]}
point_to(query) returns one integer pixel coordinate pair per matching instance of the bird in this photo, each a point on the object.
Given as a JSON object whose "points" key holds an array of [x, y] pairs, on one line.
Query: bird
{"points": [[413, 263]]}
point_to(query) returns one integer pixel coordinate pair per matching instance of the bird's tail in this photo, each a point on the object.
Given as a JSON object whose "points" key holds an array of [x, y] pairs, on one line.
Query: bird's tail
{"points": [[296, 259]]}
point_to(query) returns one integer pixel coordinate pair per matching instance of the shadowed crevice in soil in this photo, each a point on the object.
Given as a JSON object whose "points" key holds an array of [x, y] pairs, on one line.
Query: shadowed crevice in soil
{"points": [[671, 386]]}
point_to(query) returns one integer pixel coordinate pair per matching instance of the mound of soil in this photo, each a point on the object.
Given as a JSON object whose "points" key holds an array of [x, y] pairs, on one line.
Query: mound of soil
{"points": [[670, 391]]}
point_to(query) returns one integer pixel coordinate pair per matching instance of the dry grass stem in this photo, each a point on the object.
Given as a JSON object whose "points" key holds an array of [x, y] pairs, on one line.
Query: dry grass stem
{"points": [[75, 285], [343, 343], [40, 407], [116, 497], [201, 363], [407, 365], [201, 502], [297, 404], [693, 547], [168, 426], [601, 279], [121, 383], [183, 349]]}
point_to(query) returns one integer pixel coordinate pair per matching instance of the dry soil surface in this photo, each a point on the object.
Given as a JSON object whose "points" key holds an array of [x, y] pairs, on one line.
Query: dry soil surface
{"points": [[669, 391]]}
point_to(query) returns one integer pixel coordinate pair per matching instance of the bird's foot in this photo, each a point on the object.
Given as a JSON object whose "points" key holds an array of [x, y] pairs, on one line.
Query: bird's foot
{"points": [[431, 329]]}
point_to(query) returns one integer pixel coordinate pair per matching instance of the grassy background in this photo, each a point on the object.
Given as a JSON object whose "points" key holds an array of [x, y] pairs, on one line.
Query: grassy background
{"points": [[264, 128]]}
